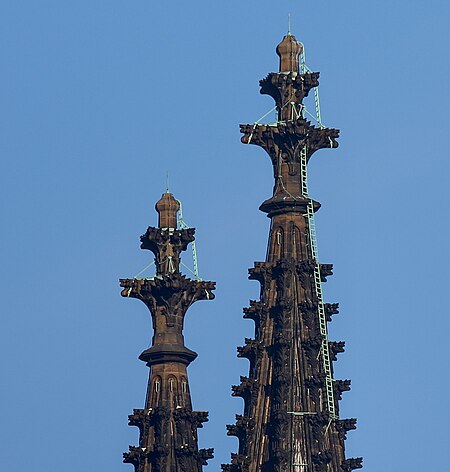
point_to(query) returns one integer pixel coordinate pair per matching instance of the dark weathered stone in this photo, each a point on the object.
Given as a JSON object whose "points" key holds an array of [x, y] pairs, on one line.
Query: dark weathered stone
{"points": [[351, 464], [344, 426], [291, 400], [331, 309], [167, 424], [336, 347]]}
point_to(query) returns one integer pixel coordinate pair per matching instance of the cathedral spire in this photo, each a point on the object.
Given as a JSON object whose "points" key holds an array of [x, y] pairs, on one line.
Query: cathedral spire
{"points": [[167, 424], [291, 418]]}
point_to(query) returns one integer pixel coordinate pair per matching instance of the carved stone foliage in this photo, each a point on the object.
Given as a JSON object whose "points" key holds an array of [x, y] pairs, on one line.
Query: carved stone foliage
{"points": [[190, 459], [142, 419], [317, 424], [351, 464], [325, 271], [239, 463], [330, 310], [320, 461], [258, 313], [306, 266], [137, 457], [186, 457], [283, 272], [279, 420], [286, 140], [336, 347], [282, 314], [171, 294], [252, 350], [305, 270], [343, 426], [140, 456], [203, 455], [279, 460], [315, 385], [309, 312], [287, 88], [281, 377], [308, 305], [185, 422], [312, 348], [279, 451], [197, 418], [242, 429], [262, 272], [247, 390], [160, 418], [194, 418], [341, 386], [231, 468], [246, 385]]}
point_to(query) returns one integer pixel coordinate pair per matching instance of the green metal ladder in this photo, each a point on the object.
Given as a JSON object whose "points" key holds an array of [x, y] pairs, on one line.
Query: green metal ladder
{"points": [[325, 350], [183, 225], [303, 70]]}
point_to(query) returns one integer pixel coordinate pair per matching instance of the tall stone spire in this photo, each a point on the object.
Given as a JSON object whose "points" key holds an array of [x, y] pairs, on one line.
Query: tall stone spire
{"points": [[167, 423], [291, 419]]}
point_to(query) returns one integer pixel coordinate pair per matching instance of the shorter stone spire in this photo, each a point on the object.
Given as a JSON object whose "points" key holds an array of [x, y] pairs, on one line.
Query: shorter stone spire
{"points": [[168, 425], [289, 51]]}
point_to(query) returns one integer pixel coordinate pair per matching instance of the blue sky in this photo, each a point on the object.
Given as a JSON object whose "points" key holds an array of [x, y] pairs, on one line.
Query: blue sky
{"points": [[99, 99]]}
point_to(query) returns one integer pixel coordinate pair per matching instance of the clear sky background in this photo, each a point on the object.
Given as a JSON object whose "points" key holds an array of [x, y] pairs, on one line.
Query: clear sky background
{"points": [[100, 98]]}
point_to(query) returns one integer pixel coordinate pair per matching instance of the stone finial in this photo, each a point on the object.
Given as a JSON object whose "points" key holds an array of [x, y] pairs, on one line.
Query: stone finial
{"points": [[167, 208], [289, 51]]}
